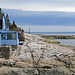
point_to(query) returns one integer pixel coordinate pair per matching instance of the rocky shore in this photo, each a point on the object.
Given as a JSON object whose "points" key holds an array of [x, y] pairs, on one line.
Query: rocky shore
{"points": [[58, 36], [38, 57]]}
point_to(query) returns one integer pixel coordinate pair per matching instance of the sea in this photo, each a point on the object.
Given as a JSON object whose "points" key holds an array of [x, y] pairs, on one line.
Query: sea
{"points": [[54, 33], [63, 41]]}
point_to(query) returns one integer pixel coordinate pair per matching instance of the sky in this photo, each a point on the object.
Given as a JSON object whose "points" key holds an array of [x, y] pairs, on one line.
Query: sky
{"points": [[42, 15], [39, 5]]}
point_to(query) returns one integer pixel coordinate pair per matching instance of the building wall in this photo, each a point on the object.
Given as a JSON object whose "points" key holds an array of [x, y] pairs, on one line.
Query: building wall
{"points": [[4, 24], [9, 42]]}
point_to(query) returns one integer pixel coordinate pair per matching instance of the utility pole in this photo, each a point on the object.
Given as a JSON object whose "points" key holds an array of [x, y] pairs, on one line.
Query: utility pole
{"points": [[29, 30], [20, 18]]}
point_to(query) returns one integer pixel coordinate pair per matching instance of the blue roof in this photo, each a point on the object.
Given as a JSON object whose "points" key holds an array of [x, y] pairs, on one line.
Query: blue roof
{"points": [[7, 31]]}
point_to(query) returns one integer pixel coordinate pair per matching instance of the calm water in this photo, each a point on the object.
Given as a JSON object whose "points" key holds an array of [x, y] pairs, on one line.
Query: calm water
{"points": [[63, 41], [66, 41], [54, 33]]}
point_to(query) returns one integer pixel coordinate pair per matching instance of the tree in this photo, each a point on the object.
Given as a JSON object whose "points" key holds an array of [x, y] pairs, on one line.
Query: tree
{"points": [[14, 25], [7, 21], [7, 18], [0, 10]]}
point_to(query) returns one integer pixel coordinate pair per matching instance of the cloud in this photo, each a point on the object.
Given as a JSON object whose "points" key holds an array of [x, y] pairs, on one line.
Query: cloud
{"points": [[41, 18], [50, 21], [39, 5]]}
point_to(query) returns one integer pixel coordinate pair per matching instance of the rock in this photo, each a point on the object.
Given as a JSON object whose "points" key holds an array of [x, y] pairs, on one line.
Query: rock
{"points": [[23, 64], [26, 57], [35, 72], [7, 63], [72, 58], [31, 71], [38, 53], [0, 64]]}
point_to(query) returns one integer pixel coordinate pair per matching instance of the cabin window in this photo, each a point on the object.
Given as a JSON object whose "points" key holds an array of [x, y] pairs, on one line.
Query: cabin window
{"points": [[11, 36], [8, 36], [4, 36]]}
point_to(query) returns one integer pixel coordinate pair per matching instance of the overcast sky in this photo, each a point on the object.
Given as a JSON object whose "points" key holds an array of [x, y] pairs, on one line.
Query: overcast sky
{"points": [[39, 5], [44, 21]]}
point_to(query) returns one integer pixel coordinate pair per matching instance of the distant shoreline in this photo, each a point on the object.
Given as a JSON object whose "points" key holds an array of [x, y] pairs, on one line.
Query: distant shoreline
{"points": [[58, 36], [54, 33]]}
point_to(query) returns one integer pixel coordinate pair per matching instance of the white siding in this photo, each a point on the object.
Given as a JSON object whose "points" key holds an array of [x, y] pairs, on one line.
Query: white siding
{"points": [[4, 25]]}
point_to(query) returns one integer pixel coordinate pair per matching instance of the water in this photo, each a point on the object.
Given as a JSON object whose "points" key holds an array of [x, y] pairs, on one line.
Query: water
{"points": [[54, 33], [63, 41], [66, 41]]}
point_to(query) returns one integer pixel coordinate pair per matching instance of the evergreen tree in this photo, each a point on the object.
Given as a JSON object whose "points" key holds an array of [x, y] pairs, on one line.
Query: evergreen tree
{"points": [[7, 18], [14, 25], [7, 21], [0, 10]]}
